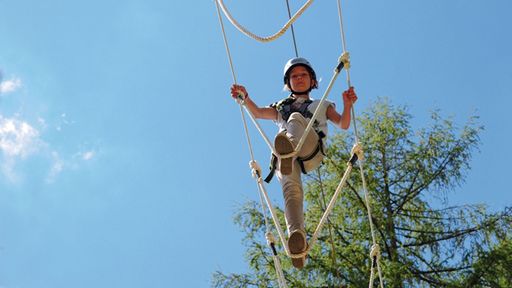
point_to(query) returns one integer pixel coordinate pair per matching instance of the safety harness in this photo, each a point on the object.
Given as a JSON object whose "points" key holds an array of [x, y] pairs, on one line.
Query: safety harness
{"points": [[286, 107]]}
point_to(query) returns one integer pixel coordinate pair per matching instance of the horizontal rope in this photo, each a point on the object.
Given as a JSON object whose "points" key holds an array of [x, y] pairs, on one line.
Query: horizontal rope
{"points": [[264, 38]]}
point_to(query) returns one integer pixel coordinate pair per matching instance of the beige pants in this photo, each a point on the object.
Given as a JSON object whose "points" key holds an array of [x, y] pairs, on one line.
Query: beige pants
{"points": [[292, 184]]}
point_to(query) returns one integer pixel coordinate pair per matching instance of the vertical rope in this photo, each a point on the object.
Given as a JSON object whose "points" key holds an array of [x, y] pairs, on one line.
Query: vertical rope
{"points": [[279, 272], [226, 43], [228, 52], [293, 31], [331, 238], [344, 48], [361, 169], [342, 31], [263, 208]]}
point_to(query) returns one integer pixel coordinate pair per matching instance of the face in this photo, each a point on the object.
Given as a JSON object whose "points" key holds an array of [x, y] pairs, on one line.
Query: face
{"points": [[300, 79]]}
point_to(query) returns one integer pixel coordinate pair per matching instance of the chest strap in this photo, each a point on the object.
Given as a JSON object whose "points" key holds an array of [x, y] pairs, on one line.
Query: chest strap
{"points": [[288, 106]]}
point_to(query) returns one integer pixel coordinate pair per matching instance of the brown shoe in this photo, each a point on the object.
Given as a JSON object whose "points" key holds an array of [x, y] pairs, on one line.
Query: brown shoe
{"points": [[297, 244], [284, 146]]}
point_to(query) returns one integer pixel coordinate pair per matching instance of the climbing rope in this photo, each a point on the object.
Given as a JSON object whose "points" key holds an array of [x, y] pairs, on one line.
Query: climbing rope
{"points": [[263, 38], [323, 205], [255, 168], [375, 251], [293, 31]]}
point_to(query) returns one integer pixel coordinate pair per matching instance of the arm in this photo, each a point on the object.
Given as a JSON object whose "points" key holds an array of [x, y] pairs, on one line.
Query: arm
{"points": [[258, 112], [343, 120]]}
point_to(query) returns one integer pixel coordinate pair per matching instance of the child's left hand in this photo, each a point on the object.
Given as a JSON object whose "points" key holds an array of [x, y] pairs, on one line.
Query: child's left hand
{"points": [[349, 97]]}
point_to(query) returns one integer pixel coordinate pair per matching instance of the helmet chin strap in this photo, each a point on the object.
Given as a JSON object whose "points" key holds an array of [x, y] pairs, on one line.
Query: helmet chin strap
{"points": [[300, 93]]}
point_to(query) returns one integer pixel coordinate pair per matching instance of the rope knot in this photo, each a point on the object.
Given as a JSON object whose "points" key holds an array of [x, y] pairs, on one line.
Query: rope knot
{"points": [[270, 238], [255, 169], [357, 149], [375, 252], [345, 59]]}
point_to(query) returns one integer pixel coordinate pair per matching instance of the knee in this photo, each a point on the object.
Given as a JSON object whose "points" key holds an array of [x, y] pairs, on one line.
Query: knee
{"points": [[292, 192], [297, 118], [291, 188]]}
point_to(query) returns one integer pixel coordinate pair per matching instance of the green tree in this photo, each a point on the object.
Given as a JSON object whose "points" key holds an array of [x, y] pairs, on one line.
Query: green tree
{"points": [[424, 242]]}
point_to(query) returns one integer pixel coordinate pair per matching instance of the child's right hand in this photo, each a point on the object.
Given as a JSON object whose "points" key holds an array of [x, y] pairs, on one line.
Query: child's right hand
{"points": [[238, 92]]}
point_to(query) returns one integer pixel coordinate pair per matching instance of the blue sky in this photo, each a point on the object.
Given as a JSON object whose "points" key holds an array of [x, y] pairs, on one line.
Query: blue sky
{"points": [[123, 158]]}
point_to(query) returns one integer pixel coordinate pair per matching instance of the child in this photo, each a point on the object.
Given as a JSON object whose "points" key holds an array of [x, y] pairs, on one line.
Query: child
{"points": [[292, 115]]}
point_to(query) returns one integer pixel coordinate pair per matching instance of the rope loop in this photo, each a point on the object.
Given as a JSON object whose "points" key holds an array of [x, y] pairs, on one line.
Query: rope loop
{"points": [[299, 255], [262, 38]]}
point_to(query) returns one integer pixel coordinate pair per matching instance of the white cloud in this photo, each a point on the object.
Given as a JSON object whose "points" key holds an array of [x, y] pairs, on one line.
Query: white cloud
{"points": [[61, 164], [18, 138], [10, 85], [88, 155]]}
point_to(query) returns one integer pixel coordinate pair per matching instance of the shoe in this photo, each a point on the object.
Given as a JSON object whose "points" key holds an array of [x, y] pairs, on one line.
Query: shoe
{"points": [[297, 244], [284, 146]]}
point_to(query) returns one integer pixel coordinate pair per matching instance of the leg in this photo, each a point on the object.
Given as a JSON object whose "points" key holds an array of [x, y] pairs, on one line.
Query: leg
{"points": [[294, 212], [293, 198], [290, 177], [295, 129]]}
